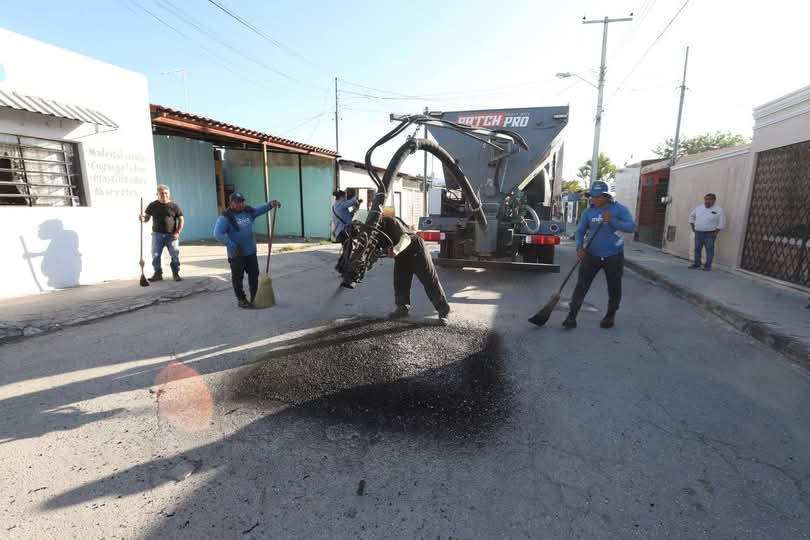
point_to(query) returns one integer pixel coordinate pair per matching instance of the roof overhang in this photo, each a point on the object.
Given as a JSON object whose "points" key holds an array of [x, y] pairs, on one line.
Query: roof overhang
{"points": [[198, 127], [49, 107]]}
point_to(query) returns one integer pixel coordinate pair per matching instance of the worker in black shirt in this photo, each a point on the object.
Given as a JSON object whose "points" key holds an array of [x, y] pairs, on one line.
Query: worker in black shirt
{"points": [[166, 229], [411, 257]]}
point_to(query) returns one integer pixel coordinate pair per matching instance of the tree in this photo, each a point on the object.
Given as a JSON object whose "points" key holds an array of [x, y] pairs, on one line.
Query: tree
{"points": [[571, 185], [605, 173], [700, 143]]}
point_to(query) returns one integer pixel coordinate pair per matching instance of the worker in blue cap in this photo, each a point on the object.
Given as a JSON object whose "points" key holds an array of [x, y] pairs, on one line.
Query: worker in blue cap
{"points": [[605, 221]]}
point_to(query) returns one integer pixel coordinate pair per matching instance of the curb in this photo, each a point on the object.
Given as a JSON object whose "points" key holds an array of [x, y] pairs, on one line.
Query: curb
{"points": [[37, 327], [790, 347]]}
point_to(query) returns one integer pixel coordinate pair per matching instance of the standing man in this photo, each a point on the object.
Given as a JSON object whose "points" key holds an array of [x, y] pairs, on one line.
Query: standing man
{"points": [[411, 257], [166, 229], [234, 228], [604, 221], [346, 204], [706, 221]]}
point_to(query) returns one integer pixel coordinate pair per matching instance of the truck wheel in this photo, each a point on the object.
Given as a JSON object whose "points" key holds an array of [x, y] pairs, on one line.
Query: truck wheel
{"points": [[446, 249], [530, 253], [545, 254]]}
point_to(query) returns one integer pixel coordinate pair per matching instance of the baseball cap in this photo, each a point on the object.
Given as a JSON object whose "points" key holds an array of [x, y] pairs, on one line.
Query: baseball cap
{"points": [[236, 196], [598, 188]]}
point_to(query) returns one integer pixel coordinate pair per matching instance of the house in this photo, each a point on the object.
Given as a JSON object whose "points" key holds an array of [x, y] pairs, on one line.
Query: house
{"points": [[204, 160], [405, 195], [75, 159], [764, 188]]}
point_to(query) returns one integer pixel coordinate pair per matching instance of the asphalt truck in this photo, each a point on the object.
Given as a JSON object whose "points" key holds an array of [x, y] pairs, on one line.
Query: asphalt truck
{"points": [[502, 169]]}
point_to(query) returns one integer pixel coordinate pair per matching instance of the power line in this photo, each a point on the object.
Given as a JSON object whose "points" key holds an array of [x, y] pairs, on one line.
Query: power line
{"points": [[643, 56], [262, 34]]}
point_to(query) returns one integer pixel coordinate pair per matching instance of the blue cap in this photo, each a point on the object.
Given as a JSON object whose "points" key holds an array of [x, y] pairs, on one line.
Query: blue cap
{"points": [[598, 188], [236, 196]]}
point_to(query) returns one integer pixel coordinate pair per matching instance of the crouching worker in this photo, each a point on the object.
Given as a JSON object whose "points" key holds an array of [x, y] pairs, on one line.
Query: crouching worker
{"points": [[234, 228], [411, 257]]}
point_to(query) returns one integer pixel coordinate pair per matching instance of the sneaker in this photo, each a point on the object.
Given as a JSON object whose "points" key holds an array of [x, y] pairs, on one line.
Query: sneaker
{"points": [[570, 322], [694, 266], [176, 276], [157, 276], [399, 313], [444, 321], [608, 321], [243, 303]]}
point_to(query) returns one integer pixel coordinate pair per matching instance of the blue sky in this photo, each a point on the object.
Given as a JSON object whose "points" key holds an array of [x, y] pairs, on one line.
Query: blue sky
{"points": [[449, 55]]}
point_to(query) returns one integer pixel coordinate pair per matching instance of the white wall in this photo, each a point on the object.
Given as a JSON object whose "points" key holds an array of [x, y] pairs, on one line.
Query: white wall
{"points": [[352, 177], [626, 190], [94, 243]]}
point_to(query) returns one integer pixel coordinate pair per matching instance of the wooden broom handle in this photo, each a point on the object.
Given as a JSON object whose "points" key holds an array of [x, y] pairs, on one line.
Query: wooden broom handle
{"points": [[270, 242]]}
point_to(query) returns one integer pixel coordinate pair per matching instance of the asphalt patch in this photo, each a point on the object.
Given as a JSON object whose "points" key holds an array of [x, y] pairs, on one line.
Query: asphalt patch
{"points": [[389, 375]]}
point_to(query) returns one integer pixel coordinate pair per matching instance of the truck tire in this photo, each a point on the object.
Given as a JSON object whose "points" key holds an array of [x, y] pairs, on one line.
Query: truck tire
{"points": [[446, 249], [530, 253], [545, 254]]}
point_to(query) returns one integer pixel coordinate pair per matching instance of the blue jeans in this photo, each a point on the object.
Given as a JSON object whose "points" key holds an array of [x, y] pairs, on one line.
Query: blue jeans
{"points": [[159, 241], [704, 238]]}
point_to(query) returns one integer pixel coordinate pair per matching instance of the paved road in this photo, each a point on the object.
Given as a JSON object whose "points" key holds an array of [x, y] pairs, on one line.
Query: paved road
{"points": [[671, 425]]}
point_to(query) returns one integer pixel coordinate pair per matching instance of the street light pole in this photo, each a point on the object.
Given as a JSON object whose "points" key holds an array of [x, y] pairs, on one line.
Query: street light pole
{"points": [[602, 70]]}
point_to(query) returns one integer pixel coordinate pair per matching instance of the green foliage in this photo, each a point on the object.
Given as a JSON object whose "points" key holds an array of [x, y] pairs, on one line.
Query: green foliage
{"points": [[700, 143]]}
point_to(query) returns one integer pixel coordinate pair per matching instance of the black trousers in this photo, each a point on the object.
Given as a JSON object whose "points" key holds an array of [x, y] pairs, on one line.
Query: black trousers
{"points": [[239, 266], [415, 260], [588, 268]]}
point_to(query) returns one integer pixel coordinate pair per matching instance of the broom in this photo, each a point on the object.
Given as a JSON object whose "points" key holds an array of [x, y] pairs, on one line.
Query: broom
{"points": [[265, 297], [541, 317], [144, 281]]}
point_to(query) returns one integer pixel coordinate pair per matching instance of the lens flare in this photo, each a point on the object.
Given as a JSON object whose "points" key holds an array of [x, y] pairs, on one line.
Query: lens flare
{"points": [[183, 398]]}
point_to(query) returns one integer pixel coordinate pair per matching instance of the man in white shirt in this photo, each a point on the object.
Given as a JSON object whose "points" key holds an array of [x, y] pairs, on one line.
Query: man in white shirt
{"points": [[706, 221]]}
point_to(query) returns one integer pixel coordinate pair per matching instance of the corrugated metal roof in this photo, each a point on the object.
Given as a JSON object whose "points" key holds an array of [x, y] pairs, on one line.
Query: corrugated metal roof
{"points": [[159, 111], [49, 107]]}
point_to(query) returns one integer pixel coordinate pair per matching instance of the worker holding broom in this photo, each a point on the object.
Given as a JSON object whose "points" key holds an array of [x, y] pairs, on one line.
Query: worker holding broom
{"points": [[604, 223], [234, 228]]}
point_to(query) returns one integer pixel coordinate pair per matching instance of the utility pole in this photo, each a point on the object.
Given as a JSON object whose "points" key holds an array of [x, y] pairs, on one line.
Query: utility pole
{"points": [[337, 139], [680, 113], [182, 72], [602, 70], [424, 179]]}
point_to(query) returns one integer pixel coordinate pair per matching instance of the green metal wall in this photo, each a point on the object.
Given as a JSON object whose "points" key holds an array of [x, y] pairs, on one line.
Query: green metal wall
{"points": [[244, 170], [187, 167]]}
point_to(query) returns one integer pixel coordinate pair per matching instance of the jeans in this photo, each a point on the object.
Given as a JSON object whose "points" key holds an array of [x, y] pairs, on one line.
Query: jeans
{"points": [[159, 241], [704, 238], [239, 267], [588, 268]]}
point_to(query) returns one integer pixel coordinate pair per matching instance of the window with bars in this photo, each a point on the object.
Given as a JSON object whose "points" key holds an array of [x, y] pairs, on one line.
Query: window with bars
{"points": [[39, 172]]}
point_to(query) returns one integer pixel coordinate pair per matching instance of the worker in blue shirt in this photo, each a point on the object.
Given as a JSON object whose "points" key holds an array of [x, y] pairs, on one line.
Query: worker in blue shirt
{"points": [[234, 228], [607, 220]]}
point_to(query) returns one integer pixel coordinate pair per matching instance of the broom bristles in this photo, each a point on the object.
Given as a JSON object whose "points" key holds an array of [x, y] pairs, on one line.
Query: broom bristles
{"points": [[144, 281], [265, 297], [541, 317]]}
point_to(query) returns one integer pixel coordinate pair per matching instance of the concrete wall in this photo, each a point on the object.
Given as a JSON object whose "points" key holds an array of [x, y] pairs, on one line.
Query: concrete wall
{"points": [[783, 121], [245, 171], [626, 191], [727, 175], [77, 245], [187, 167]]}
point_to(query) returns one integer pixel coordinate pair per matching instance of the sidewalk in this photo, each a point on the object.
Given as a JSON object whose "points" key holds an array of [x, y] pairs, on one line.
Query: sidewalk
{"points": [[767, 311], [203, 266]]}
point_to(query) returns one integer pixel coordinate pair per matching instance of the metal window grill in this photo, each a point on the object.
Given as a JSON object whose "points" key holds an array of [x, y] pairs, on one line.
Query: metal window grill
{"points": [[777, 238], [39, 172]]}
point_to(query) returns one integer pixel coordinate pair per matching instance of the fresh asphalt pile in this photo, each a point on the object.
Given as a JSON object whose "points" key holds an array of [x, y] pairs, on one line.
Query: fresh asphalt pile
{"points": [[389, 375]]}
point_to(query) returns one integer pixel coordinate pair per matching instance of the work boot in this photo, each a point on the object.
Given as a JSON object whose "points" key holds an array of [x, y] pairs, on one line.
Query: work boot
{"points": [[176, 276], [444, 317], [243, 303], [400, 313], [608, 321], [570, 322], [157, 276], [707, 268]]}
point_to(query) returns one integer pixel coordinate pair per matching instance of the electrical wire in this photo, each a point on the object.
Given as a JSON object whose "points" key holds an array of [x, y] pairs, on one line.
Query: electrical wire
{"points": [[646, 52]]}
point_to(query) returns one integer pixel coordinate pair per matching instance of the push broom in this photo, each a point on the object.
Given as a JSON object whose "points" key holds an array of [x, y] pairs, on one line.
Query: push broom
{"points": [[541, 317], [265, 297], [144, 281]]}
